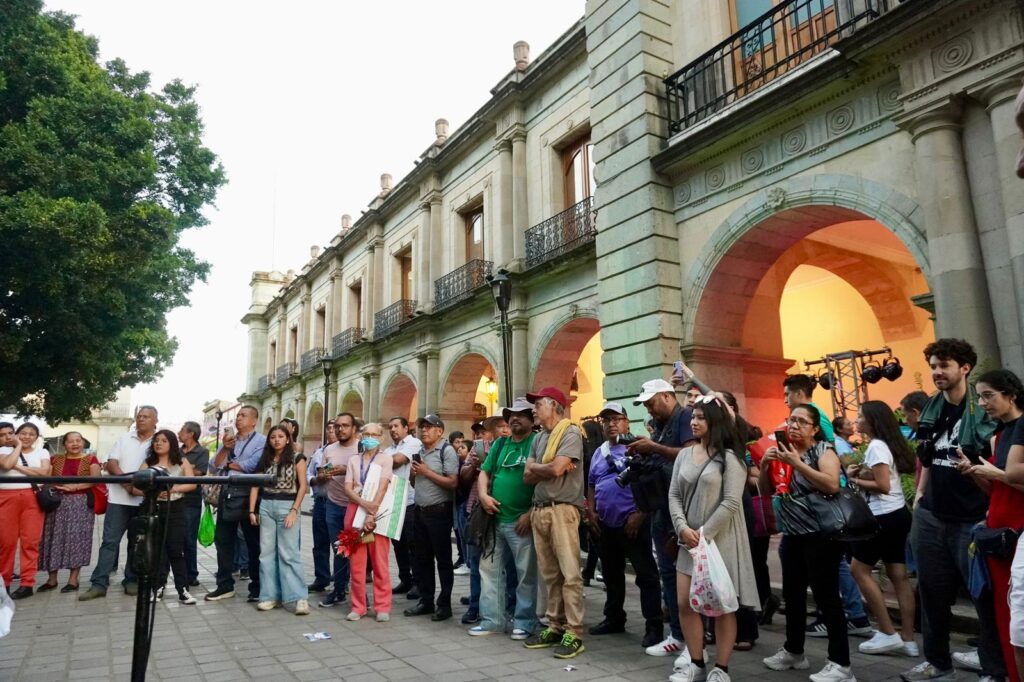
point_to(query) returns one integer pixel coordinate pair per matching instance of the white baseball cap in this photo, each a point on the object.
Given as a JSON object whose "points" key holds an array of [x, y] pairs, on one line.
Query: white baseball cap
{"points": [[652, 388]]}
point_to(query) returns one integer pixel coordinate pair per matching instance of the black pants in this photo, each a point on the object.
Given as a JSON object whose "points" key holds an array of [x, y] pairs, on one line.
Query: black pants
{"points": [[192, 507], [404, 547], [173, 513], [759, 547], [615, 548], [809, 560], [593, 546], [433, 530], [225, 539]]}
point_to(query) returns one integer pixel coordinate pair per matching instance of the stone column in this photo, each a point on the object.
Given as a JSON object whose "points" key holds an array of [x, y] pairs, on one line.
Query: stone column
{"points": [[300, 414], [370, 287], [1000, 101], [437, 257], [432, 389], [334, 306], [962, 307], [258, 351], [424, 273], [421, 381], [282, 339], [306, 339], [520, 216], [503, 231], [371, 384], [520, 356]]}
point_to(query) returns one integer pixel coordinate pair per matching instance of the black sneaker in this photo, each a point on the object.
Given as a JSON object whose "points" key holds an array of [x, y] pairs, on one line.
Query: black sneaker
{"points": [[571, 646], [470, 617], [464, 601], [543, 639], [817, 629], [330, 600], [252, 598], [317, 587], [413, 594], [401, 588], [441, 614], [606, 627], [243, 574], [219, 593], [861, 627], [22, 593], [420, 609]]}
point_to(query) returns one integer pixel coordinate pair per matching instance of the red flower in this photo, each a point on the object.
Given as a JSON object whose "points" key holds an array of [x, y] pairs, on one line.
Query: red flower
{"points": [[348, 542]]}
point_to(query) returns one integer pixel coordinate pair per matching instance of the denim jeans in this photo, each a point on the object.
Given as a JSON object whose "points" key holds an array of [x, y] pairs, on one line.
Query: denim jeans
{"points": [[115, 525], [322, 544], [494, 578], [335, 522], [471, 556], [193, 510], [661, 531], [853, 603], [281, 573]]}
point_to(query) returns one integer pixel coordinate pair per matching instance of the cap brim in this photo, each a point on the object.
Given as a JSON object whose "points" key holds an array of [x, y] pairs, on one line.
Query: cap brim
{"points": [[604, 412], [643, 398]]}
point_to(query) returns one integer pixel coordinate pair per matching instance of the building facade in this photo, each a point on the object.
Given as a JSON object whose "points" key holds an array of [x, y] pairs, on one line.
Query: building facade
{"points": [[748, 184]]}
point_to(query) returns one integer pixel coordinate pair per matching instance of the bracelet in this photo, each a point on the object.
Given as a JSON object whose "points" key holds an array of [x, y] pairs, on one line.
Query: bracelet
{"points": [[252, 511], [293, 509]]}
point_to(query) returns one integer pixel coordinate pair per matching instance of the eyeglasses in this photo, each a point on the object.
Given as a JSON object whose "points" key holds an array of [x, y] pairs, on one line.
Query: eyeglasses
{"points": [[989, 395], [798, 422]]}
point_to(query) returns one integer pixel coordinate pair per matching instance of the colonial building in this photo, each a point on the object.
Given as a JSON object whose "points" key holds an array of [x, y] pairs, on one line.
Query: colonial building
{"points": [[748, 184]]}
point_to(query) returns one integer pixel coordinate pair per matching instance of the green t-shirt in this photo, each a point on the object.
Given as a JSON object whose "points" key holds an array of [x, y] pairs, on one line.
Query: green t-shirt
{"points": [[505, 465]]}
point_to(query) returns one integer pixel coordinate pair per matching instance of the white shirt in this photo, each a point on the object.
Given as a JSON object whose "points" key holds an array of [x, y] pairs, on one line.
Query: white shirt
{"points": [[130, 453], [408, 446], [35, 460], [878, 453]]}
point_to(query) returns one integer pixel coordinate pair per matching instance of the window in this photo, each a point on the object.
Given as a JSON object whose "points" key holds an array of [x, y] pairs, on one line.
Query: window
{"points": [[578, 172], [405, 275], [294, 341], [475, 235], [355, 307], [320, 331], [273, 356]]}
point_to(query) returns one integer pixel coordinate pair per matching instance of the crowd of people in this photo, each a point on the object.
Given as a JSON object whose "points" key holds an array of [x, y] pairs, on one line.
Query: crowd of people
{"points": [[942, 477]]}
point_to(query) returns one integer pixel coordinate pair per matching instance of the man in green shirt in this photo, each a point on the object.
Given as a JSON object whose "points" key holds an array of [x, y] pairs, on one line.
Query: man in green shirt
{"points": [[503, 494]]}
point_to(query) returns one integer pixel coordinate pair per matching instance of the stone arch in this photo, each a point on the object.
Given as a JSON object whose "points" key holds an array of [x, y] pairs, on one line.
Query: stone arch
{"points": [[312, 432], [560, 348], [267, 424], [352, 402], [458, 392], [399, 396]]}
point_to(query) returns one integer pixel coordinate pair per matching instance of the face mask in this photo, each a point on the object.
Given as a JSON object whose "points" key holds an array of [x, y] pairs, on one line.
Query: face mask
{"points": [[370, 443]]}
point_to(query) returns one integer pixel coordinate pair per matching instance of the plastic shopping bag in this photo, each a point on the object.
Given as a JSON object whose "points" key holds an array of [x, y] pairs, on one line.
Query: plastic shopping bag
{"points": [[711, 590], [6, 610], [207, 526]]}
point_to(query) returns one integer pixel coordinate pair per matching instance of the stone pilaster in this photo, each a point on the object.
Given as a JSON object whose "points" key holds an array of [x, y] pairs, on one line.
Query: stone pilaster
{"points": [[503, 231], [520, 356], [424, 272], [371, 389], [437, 257], [520, 207], [259, 350], [421, 381], [432, 388]]}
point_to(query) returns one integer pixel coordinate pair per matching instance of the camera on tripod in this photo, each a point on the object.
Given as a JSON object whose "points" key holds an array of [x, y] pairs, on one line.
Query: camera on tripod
{"points": [[638, 469]]}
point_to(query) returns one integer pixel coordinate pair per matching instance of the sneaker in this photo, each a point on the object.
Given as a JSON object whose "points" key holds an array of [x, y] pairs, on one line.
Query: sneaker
{"points": [[968, 660], [783, 660], [670, 646], [718, 675], [543, 639], [480, 631], [462, 570], [861, 627], [185, 597], [882, 643], [683, 660], [927, 671], [519, 634], [266, 605], [910, 649], [329, 601], [816, 629], [92, 593], [243, 574], [383, 617], [158, 594], [606, 627], [571, 646], [131, 589], [302, 607], [470, 617], [353, 616], [833, 672], [219, 593], [689, 673]]}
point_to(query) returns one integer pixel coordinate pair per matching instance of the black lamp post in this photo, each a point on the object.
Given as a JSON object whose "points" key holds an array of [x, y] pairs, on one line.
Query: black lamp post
{"points": [[501, 287], [219, 415], [326, 362]]}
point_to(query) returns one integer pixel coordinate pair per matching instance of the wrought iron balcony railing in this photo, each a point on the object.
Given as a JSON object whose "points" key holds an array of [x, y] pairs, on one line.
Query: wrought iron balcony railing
{"points": [[459, 285], [311, 359], [346, 341], [264, 383], [387, 321], [285, 372], [776, 43], [562, 233]]}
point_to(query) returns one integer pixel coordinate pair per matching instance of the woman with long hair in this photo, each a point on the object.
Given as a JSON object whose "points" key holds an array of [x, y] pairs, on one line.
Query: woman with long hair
{"points": [[807, 558], [281, 573], [705, 496], [22, 518], [888, 455], [67, 531], [164, 453], [292, 427], [1001, 395]]}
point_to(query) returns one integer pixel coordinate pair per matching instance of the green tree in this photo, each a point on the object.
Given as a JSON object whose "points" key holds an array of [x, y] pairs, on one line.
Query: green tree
{"points": [[99, 177]]}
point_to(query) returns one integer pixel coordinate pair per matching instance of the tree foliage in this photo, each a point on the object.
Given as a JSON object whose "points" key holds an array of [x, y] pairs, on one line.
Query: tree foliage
{"points": [[99, 176]]}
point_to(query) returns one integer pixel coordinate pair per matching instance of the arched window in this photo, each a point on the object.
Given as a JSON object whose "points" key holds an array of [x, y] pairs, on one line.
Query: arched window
{"points": [[475, 235], [578, 172]]}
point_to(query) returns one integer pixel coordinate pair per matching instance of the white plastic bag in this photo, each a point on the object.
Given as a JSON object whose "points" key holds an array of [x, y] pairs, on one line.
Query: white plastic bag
{"points": [[711, 590], [6, 610]]}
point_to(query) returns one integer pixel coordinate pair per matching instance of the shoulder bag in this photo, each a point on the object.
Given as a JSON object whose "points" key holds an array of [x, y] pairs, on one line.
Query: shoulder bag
{"points": [[481, 527], [47, 496]]}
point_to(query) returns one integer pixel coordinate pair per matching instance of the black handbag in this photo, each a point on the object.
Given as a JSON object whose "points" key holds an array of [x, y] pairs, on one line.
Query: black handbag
{"points": [[47, 496], [998, 543], [234, 503], [845, 516]]}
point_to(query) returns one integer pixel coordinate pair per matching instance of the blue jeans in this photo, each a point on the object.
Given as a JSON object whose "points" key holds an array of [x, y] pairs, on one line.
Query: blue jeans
{"points": [[115, 525], [853, 603], [661, 532], [321, 543], [335, 522], [281, 573], [471, 554], [494, 578]]}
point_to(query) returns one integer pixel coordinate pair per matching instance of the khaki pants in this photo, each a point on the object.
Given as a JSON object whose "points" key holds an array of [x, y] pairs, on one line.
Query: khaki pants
{"points": [[557, 542]]}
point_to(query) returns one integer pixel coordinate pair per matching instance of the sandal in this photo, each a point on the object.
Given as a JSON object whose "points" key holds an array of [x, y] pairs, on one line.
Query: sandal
{"points": [[46, 587], [743, 646], [69, 588]]}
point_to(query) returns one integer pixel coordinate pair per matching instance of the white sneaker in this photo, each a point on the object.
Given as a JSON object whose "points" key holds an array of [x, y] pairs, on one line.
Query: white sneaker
{"points": [[519, 634], [302, 607], [462, 570], [353, 616], [783, 660], [718, 675], [479, 631], [910, 649], [383, 617], [158, 594], [833, 672], [683, 659], [926, 671], [967, 660], [669, 646], [266, 605], [882, 643], [186, 598], [690, 673]]}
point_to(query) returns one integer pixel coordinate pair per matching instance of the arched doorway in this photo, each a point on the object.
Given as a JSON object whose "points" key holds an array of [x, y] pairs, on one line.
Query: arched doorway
{"points": [[399, 398], [802, 283], [267, 423], [470, 392], [352, 403], [571, 362], [313, 430]]}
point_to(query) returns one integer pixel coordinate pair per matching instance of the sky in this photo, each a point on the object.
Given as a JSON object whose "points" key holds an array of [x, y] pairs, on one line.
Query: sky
{"points": [[306, 103]]}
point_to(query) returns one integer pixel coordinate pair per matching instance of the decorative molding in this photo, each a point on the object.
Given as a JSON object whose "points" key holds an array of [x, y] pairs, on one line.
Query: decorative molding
{"points": [[953, 54], [794, 141], [840, 120], [752, 160]]}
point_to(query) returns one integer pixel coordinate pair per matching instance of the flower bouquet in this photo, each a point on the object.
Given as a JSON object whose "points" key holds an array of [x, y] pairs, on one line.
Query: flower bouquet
{"points": [[349, 541]]}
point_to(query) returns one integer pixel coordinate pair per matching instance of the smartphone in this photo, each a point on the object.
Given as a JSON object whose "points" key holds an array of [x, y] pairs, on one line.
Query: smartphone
{"points": [[973, 457], [782, 438], [416, 458]]}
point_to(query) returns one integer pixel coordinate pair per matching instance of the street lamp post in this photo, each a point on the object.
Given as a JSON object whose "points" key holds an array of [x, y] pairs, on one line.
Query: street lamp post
{"points": [[219, 415], [326, 362], [501, 287]]}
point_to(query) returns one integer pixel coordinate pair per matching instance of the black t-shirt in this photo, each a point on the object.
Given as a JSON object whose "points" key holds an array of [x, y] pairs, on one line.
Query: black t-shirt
{"points": [[1012, 434], [950, 495]]}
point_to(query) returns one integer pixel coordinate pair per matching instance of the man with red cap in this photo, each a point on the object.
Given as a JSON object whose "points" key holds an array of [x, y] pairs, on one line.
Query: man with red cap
{"points": [[555, 468]]}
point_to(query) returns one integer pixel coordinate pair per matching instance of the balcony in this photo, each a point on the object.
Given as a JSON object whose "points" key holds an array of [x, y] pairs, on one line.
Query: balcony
{"points": [[311, 359], [285, 372], [264, 383], [773, 45], [460, 285], [386, 322], [346, 341], [562, 233]]}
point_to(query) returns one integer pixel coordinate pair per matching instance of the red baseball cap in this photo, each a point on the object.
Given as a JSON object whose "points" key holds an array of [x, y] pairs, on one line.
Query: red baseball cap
{"points": [[548, 392]]}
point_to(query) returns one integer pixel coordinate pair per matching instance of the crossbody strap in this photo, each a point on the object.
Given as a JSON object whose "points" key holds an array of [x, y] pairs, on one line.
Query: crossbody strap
{"points": [[689, 499], [35, 486]]}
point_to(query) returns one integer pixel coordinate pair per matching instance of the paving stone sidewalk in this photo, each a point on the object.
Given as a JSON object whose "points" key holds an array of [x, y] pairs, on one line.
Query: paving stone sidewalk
{"points": [[56, 637]]}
